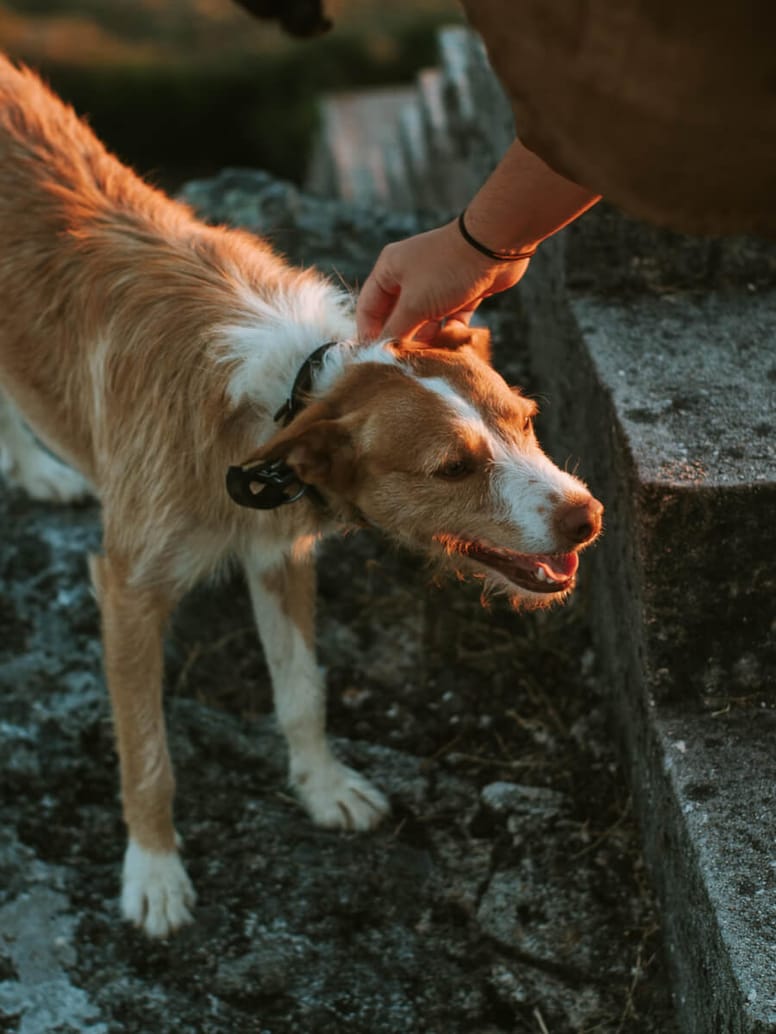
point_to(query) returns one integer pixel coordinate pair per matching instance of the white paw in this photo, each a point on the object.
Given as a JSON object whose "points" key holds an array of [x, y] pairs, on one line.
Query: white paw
{"points": [[339, 798], [44, 477], [156, 892]]}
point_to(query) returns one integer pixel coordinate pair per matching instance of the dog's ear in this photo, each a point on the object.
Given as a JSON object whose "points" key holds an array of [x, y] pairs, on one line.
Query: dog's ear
{"points": [[316, 446], [455, 335]]}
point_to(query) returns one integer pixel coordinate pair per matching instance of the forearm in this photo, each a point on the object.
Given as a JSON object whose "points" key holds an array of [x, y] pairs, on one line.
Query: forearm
{"points": [[524, 201], [439, 275]]}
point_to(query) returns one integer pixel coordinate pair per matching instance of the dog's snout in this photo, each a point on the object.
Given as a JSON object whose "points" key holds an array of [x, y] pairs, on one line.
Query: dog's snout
{"points": [[579, 522]]}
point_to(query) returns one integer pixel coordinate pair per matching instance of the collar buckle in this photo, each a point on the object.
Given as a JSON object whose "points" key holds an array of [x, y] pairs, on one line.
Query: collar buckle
{"points": [[272, 483], [265, 485]]}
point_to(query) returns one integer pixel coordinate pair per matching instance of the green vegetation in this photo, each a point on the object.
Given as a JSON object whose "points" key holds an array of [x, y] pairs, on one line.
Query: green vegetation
{"points": [[174, 107]]}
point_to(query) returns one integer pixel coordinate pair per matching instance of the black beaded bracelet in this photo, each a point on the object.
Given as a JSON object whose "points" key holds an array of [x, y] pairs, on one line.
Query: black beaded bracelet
{"points": [[497, 256]]}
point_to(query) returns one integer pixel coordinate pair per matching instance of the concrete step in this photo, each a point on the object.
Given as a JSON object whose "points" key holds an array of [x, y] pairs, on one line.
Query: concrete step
{"points": [[358, 129], [669, 402], [689, 380], [412, 145], [422, 147]]}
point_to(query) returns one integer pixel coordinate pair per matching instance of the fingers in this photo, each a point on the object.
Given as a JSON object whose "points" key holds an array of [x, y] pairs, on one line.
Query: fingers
{"points": [[404, 321], [397, 298], [428, 332], [375, 303], [464, 316], [419, 282]]}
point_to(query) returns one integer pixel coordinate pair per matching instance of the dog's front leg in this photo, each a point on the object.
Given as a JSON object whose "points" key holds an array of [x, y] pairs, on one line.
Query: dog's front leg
{"points": [[284, 605], [156, 892]]}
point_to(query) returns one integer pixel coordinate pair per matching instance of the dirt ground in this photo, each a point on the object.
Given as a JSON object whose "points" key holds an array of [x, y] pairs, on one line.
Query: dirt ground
{"points": [[505, 893]]}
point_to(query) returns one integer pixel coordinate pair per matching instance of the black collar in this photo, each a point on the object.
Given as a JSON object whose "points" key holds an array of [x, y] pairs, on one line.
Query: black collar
{"points": [[272, 483], [302, 386]]}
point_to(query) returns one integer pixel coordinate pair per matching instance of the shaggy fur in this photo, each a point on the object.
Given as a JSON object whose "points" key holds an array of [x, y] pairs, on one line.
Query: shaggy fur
{"points": [[151, 352]]}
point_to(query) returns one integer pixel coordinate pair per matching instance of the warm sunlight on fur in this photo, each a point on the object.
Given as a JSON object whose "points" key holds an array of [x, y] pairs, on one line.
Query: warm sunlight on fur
{"points": [[165, 360]]}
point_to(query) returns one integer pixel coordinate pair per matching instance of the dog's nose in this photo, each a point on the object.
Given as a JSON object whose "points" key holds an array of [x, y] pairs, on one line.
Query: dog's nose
{"points": [[580, 522]]}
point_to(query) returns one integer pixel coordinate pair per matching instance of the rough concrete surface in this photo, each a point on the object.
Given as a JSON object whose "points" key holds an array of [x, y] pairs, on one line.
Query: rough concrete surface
{"points": [[692, 380], [719, 769], [332, 235], [505, 894], [676, 432]]}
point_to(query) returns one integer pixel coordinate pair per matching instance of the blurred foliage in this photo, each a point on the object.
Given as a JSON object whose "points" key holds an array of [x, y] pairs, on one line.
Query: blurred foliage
{"points": [[181, 88]]}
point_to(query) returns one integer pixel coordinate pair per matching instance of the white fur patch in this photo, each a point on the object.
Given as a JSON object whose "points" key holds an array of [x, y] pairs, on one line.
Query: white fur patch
{"points": [[296, 679], [528, 487], [269, 349], [333, 794], [467, 416], [24, 462], [337, 359], [337, 797], [461, 406], [156, 893]]}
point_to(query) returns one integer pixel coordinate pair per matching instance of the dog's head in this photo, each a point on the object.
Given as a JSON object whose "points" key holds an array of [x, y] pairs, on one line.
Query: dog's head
{"points": [[430, 445]]}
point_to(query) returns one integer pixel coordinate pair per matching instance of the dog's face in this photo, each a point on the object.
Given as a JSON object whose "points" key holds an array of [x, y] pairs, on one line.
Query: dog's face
{"points": [[434, 448]]}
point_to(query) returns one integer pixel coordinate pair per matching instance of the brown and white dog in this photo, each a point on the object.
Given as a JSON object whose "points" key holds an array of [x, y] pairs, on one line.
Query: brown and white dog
{"points": [[152, 353]]}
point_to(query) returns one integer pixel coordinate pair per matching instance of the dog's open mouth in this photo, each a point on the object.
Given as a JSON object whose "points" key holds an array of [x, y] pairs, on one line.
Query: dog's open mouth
{"points": [[537, 572]]}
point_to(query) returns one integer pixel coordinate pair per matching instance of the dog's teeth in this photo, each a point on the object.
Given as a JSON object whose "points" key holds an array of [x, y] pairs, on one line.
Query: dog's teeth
{"points": [[541, 574]]}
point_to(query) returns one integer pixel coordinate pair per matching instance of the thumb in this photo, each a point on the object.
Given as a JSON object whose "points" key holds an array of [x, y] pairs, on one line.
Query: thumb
{"points": [[404, 322]]}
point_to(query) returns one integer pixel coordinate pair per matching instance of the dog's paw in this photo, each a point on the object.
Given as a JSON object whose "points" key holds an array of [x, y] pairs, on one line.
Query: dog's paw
{"points": [[156, 892], [43, 477], [339, 798]]}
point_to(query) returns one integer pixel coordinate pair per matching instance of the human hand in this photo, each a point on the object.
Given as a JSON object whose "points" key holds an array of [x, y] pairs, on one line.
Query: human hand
{"points": [[418, 282]]}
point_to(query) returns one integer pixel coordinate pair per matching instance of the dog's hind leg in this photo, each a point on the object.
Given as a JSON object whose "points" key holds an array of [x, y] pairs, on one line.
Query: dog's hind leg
{"points": [[156, 892], [24, 462], [284, 603]]}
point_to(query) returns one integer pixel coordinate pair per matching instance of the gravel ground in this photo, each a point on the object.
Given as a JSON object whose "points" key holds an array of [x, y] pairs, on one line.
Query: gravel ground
{"points": [[505, 894]]}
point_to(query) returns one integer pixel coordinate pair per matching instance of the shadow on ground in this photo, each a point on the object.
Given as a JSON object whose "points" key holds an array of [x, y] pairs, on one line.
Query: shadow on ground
{"points": [[505, 893]]}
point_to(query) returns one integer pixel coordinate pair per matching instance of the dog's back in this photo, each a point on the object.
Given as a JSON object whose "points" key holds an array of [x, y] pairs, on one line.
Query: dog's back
{"points": [[63, 199], [114, 296]]}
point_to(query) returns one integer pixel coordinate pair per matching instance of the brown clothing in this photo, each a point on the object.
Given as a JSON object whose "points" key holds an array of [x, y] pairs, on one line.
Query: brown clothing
{"points": [[666, 107]]}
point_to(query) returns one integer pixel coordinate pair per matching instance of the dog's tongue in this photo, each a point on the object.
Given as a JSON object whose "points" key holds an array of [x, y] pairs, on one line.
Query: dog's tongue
{"points": [[559, 567], [539, 572]]}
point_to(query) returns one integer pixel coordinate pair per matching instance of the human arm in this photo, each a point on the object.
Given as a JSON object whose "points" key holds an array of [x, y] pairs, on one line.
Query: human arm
{"points": [[424, 279]]}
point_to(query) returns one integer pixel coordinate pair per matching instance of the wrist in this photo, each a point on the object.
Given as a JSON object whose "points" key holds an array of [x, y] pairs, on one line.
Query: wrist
{"points": [[499, 229], [507, 254]]}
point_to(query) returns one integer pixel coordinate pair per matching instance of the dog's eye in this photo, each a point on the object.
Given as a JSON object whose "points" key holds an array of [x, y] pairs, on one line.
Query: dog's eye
{"points": [[454, 469]]}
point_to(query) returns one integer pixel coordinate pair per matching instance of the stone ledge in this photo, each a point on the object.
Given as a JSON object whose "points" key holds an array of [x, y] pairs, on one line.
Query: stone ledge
{"points": [[689, 381], [680, 598], [709, 824]]}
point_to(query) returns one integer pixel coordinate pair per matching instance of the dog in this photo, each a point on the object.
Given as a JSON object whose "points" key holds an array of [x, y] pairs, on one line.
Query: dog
{"points": [[217, 402]]}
